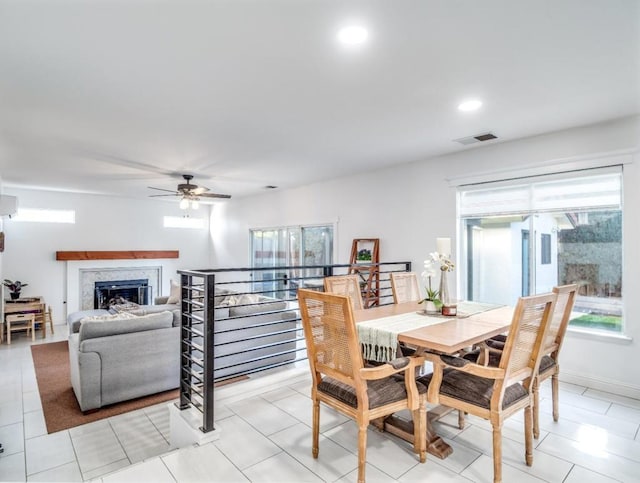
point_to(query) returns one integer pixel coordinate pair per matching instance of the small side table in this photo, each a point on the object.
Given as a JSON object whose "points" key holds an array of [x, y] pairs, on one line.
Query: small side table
{"points": [[21, 321]]}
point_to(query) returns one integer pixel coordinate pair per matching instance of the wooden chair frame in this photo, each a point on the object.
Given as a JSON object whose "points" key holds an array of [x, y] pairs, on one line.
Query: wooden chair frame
{"points": [[356, 376], [557, 330], [503, 376], [405, 287], [348, 285]]}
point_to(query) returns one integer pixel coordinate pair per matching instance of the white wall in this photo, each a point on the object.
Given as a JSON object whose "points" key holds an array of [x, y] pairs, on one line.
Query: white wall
{"points": [[408, 206], [102, 223]]}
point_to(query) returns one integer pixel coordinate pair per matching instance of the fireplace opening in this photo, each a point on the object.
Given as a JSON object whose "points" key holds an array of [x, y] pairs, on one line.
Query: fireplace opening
{"points": [[116, 292]]}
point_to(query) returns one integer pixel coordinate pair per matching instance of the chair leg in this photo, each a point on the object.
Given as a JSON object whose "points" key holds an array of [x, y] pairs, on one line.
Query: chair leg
{"points": [[497, 453], [50, 320], [528, 436], [362, 449], [460, 419], [536, 407], [315, 447], [555, 394], [420, 432]]}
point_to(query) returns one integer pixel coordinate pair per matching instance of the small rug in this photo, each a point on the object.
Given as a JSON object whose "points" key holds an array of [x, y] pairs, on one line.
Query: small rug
{"points": [[61, 409]]}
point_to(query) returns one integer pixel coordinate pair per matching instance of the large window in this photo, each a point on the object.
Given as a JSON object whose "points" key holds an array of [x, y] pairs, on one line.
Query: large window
{"points": [[290, 246], [525, 236]]}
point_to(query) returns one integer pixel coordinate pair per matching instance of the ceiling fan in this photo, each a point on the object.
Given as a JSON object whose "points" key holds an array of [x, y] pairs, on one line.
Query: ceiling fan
{"points": [[190, 193]]}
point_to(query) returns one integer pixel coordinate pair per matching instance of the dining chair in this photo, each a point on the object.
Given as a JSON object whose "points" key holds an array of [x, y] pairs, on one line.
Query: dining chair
{"points": [[496, 393], [405, 287], [348, 285], [549, 366], [342, 382]]}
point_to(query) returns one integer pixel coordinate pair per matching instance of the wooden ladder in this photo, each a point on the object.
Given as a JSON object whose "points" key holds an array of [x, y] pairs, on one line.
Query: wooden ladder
{"points": [[368, 271]]}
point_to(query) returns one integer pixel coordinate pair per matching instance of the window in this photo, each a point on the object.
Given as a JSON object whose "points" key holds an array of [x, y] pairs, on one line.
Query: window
{"points": [[545, 249], [290, 246], [576, 218], [37, 215], [183, 222]]}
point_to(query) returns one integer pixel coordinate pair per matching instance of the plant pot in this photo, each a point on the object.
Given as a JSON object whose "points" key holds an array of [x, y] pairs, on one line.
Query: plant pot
{"points": [[14, 295], [430, 307]]}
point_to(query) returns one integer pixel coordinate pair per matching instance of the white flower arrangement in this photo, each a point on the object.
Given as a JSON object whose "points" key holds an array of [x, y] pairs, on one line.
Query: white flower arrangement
{"points": [[436, 260]]}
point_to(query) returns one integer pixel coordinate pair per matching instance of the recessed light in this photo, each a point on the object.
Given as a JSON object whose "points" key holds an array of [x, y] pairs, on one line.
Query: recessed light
{"points": [[353, 35], [471, 105]]}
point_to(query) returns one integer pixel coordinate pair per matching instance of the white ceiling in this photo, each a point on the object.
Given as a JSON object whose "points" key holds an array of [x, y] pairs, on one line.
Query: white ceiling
{"points": [[114, 96]]}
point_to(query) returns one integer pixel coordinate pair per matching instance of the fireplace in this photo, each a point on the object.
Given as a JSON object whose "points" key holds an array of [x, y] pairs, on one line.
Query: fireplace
{"points": [[114, 292]]}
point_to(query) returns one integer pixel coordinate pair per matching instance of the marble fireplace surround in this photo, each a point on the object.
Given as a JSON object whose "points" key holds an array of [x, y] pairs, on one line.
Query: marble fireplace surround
{"points": [[82, 275]]}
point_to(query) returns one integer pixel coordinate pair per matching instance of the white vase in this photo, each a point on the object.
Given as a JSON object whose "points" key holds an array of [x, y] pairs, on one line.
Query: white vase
{"points": [[430, 307], [444, 288]]}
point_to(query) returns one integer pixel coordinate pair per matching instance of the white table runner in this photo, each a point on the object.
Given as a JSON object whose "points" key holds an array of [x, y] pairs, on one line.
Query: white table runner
{"points": [[379, 337]]}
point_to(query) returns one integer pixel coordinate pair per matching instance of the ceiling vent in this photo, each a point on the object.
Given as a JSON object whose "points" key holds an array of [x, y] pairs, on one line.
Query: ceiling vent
{"points": [[476, 139]]}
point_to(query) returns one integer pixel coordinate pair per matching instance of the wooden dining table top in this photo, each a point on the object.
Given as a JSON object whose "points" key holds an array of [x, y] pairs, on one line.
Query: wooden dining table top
{"points": [[450, 336]]}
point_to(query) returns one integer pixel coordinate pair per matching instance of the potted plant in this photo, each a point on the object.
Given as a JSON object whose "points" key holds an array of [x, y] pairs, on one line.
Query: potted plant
{"points": [[432, 301], [363, 255], [14, 288]]}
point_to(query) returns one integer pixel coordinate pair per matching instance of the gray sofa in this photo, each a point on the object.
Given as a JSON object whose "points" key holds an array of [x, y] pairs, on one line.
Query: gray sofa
{"points": [[129, 355], [124, 358]]}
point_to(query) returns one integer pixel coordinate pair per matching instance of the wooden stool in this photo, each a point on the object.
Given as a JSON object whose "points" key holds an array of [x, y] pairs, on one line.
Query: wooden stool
{"points": [[20, 322]]}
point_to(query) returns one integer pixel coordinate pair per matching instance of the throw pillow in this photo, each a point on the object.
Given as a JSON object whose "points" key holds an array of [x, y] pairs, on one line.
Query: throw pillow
{"points": [[102, 318], [174, 294], [232, 300]]}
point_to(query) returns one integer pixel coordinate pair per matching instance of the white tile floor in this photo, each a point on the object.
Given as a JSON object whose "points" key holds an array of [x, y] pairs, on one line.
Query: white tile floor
{"points": [[266, 436]]}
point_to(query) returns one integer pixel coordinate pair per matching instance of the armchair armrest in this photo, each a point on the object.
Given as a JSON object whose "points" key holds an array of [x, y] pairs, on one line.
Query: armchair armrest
{"points": [[401, 364], [458, 364]]}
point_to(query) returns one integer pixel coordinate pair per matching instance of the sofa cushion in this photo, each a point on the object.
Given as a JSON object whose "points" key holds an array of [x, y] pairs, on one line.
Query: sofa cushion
{"points": [[263, 304], [105, 327], [108, 316], [74, 318], [174, 293]]}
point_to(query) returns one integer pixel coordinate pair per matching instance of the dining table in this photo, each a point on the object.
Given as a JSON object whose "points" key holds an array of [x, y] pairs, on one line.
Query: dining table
{"points": [[382, 328]]}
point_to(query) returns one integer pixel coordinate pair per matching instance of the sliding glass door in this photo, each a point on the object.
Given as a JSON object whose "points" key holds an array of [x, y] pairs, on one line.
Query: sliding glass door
{"points": [[286, 247]]}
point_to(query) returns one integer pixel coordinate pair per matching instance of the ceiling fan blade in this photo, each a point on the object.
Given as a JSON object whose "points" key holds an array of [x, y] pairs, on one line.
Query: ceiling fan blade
{"points": [[213, 195], [162, 189], [155, 196]]}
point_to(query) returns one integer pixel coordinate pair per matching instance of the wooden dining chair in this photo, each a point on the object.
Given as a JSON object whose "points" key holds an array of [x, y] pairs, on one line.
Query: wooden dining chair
{"points": [[405, 287], [496, 393], [341, 381], [549, 366], [348, 285]]}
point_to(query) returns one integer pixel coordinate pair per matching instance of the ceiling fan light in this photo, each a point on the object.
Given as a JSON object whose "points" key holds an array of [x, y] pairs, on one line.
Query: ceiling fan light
{"points": [[195, 204], [184, 203]]}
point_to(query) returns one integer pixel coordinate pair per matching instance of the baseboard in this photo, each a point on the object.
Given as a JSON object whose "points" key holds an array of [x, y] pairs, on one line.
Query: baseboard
{"points": [[606, 385]]}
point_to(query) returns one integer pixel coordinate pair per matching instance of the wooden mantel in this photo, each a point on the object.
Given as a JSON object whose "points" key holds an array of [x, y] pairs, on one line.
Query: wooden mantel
{"points": [[117, 255]]}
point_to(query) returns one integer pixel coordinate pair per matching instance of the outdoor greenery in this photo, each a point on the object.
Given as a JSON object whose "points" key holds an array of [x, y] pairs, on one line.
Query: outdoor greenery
{"points": [[595, 321]]}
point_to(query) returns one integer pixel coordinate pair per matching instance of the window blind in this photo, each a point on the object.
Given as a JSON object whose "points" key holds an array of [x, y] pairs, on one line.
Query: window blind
{"points": [[576, 191]]}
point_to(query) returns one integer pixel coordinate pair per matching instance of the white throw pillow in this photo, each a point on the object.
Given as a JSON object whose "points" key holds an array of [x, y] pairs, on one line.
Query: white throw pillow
{"points": [[232, 300], [119, 316], [174, 294]]}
